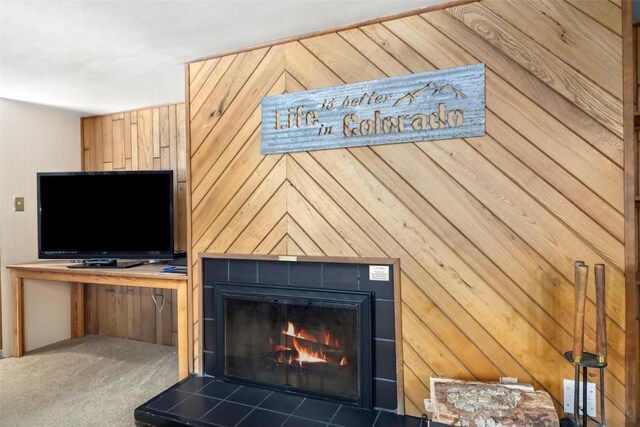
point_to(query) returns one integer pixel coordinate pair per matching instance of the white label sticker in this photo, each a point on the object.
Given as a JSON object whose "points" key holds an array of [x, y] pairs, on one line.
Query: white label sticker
{"points": [[379, 273]]}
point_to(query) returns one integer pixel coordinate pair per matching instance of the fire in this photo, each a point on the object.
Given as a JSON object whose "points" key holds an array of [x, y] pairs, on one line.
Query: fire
{"points": [[326, 340], [326, 336], [291, 331], [308, 355]]}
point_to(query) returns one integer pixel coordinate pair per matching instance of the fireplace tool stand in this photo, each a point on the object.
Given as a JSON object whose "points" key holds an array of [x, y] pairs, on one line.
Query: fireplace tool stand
{"points": [[583, 360], [589, 360]]}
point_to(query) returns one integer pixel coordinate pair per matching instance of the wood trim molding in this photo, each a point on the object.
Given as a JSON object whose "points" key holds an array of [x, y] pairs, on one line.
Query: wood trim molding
{"points": [[630, 223], [146, 279], [341, 28], [304, 258], [397, 298], [187, 135], [200, 352]]}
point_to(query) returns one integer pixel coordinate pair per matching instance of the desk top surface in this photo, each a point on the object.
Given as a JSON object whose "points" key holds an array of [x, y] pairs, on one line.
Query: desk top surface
{"points": [[49, 269]]}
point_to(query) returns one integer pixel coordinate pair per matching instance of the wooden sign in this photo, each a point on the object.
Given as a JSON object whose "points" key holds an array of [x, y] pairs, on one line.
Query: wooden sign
{"points": [[428, 106]]}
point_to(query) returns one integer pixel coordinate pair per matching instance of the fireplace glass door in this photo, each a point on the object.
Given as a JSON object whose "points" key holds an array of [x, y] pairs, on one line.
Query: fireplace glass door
{"points": [[303, 341]]}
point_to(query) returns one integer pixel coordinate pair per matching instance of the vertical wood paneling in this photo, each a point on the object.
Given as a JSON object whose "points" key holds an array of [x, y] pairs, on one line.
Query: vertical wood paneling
{"points": [[133, 312], [90, 310], [134, 144], [118, 144], [88, 143], [160, 301], [101, 308], [146, 139], [486, 228], [181, 219], [97, 148], [165, 158], [181, 135], [164, 129], [148, 315], [107, 140], [172, 126], [127, 136], [155, 132]]}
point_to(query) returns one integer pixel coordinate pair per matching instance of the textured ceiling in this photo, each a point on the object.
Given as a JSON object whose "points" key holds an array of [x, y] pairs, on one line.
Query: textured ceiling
{"points": [[102, 56]]}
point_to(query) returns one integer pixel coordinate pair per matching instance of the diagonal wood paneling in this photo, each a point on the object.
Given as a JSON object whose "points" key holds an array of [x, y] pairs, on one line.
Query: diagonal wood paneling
{"points": [[486, 228], [373, 231], [215, 134], [571, 35], [544, 65]]}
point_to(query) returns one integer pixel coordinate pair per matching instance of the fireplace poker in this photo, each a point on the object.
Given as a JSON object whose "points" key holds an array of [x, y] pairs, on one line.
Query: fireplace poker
{"points": [[601, 334], [581, 273]]}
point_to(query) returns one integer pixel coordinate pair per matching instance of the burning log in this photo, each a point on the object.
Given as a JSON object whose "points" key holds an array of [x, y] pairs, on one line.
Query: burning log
{"points": [[302, 348], [312, 349]]}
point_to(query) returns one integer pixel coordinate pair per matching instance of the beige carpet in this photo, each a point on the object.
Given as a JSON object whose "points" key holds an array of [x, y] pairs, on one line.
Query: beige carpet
{"points": [[89, 381]]}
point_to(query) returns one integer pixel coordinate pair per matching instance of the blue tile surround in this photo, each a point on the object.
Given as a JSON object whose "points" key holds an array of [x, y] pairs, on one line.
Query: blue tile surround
{"points": [[205, 401], [313, 275]]}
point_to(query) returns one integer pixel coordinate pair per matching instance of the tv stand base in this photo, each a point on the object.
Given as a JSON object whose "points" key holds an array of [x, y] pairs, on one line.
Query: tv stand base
{"points": [[105, 263]]}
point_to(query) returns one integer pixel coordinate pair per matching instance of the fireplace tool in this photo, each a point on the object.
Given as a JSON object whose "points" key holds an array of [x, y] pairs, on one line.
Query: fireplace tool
{"points": [[578, 356]]}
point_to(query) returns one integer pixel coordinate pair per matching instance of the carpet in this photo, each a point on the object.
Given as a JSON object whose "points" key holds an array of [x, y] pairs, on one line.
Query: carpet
{"points": [[88, 381]]}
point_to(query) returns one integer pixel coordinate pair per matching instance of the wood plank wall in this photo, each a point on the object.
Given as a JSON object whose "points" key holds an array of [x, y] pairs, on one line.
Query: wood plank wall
{"points": [[487, 229], [146, 139]]}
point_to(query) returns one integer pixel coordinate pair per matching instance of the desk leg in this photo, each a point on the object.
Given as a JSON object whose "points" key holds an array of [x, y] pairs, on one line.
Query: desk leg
{"points": [[77, 310], [183, 362], [17, 303]]}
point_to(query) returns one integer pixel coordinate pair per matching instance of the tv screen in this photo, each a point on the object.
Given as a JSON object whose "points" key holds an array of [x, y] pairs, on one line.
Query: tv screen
{"points": [[105, 215]]}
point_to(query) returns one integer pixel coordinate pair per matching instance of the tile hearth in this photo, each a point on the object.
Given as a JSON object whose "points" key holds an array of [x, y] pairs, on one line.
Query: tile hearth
{"points": [[205, 401]]}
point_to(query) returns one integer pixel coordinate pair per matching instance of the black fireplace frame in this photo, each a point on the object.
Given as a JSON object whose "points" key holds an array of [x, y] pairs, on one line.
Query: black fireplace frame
{"points": [[314, 272], [360, 301]]}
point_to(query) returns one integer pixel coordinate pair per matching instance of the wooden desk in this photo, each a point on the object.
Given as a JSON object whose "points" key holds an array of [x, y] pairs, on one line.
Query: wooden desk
{"points": [[147, 276]]}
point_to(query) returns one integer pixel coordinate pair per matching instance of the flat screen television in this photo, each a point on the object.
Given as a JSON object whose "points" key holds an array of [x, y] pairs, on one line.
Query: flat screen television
{"points": [[104, 218]]}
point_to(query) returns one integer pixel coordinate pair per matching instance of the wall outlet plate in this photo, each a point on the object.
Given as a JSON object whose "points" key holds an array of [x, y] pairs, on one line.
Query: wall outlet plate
{"points": [[18, 204], [569, 393]]}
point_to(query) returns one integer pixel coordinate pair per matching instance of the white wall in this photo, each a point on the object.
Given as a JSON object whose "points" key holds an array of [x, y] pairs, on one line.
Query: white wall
{"points": [[32, 139]]}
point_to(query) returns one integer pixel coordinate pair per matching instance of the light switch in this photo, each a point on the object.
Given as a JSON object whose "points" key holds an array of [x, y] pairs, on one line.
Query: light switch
{"points": [[18, 204]]}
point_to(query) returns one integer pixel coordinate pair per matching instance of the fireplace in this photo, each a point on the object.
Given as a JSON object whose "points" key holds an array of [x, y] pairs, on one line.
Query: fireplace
{"points": [[321, 328], [309, 342]]}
